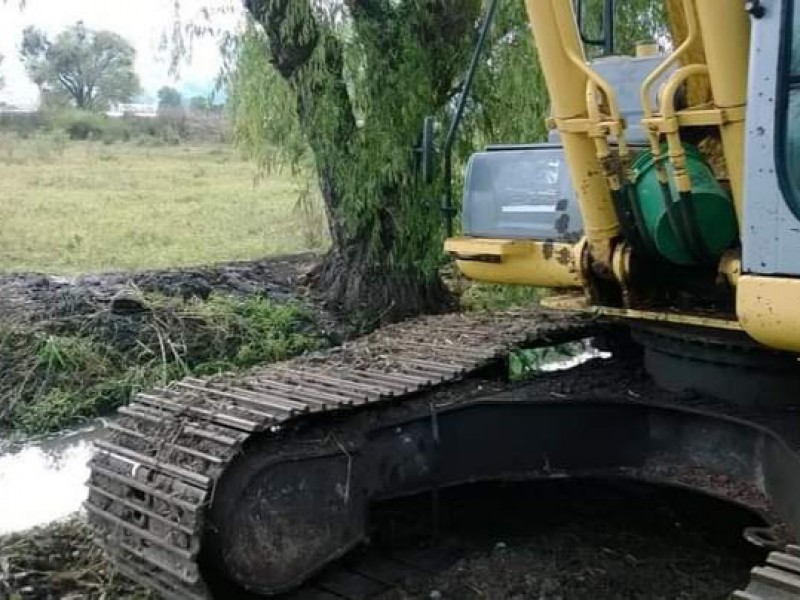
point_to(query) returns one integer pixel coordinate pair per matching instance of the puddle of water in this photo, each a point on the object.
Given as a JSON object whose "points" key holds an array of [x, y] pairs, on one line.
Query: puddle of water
{"points": [[45, 480]]}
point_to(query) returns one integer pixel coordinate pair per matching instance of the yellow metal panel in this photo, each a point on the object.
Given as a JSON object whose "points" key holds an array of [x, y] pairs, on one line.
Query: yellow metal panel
{"points": [[566, 82], [699, 91], [769, 310], [726, 40], [486, 246], [522, 262]]}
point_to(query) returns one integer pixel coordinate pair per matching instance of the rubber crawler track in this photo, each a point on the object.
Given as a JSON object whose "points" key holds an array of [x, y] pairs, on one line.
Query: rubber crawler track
{"points": [[153, 476]]}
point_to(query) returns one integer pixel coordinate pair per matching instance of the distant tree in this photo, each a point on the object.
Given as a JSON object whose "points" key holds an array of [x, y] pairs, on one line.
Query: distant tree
{"points": [[169, 98], [199, 104], [92, 68]]}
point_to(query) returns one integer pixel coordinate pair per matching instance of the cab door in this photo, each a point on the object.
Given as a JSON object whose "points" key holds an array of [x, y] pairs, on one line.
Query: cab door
{"points": [[771, 228]]}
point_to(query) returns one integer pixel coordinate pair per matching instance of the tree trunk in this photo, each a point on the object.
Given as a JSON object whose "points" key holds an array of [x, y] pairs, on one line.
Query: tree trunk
{"points": [[357, 287]]}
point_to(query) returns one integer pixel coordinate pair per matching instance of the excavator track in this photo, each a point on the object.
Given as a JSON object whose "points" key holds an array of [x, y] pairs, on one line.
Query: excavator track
{"points": [[153, 477], [779, 579]]}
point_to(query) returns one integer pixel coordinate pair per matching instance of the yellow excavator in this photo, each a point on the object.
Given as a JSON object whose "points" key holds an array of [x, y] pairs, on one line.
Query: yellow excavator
{"points": [[667, 199]]}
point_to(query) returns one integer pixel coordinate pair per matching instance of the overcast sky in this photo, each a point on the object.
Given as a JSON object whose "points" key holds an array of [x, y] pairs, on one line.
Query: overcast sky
{"points": [[142, 22]]}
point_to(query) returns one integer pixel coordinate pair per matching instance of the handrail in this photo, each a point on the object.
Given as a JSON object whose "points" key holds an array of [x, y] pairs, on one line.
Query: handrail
{"points": [[666, 98]]}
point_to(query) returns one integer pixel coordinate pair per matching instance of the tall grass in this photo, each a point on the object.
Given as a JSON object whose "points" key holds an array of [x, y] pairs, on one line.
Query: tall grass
{"points": [[61, 372], [68, 207]]}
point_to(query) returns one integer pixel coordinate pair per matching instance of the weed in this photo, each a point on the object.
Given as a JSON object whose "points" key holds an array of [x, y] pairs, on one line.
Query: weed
{"points": [[489, 296], [309, 207], [66, 370], [527, 363]]}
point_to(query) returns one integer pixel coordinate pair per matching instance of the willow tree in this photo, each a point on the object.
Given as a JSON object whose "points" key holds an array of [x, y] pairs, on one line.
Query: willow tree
{"points": [[345, 85], [353, 82]]}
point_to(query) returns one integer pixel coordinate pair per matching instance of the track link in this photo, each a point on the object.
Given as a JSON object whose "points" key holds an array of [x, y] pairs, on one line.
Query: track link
{"points": [[779, 579], [153, 477]]}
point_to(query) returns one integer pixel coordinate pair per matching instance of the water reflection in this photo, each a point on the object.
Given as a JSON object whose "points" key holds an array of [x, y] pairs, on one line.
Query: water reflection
{"points": [[44, 481]]}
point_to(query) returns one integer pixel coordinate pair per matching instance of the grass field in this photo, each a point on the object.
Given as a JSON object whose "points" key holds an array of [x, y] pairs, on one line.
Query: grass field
{"points": [[70, 207]]}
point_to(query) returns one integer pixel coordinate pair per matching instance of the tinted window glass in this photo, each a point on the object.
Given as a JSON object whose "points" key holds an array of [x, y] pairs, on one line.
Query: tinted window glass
{"points": [[789, 121]]}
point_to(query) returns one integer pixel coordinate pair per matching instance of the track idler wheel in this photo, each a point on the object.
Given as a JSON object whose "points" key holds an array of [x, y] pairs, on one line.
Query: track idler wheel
{"points": [[277, 520]]}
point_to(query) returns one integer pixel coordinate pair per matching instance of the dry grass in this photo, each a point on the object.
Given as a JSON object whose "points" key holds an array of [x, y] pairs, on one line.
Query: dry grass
{"points": [[68, 207]]}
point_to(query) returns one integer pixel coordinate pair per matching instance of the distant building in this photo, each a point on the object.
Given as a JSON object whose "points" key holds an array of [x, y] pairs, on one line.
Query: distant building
{"points": [[132, 109]]}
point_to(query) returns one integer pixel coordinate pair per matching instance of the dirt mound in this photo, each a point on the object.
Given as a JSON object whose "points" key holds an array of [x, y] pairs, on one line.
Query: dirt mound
{"points": [[73, 349], [37, 296]]}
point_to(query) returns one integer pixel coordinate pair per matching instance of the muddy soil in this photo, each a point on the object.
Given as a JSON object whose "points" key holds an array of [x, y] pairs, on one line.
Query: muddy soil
{"points": [[38, 296], [59, 561], [572, 539], [552, 540]]}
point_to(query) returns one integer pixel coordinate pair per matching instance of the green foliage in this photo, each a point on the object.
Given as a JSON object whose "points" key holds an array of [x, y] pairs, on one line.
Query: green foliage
{"points": [[262, 107], [93, 69], [199, 104], [168, 128], [23, 124], [169, 98], [65, 371], [80, 124], [351, 89], [528, 363], [510, 100], [489, 296], [635, 21], [355, 91]]}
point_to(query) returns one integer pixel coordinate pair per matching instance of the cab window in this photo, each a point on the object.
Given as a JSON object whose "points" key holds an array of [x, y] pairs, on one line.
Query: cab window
{"points": [[788, 105]]}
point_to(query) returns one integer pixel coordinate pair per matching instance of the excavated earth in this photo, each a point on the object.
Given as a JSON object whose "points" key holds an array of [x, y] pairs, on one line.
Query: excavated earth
{"points": [[35, 295], [560, 539]]}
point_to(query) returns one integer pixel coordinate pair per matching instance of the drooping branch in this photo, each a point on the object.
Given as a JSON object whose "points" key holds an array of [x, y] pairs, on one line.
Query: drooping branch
{"points": [[312, 62], [441, 33], [292, 32]]}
